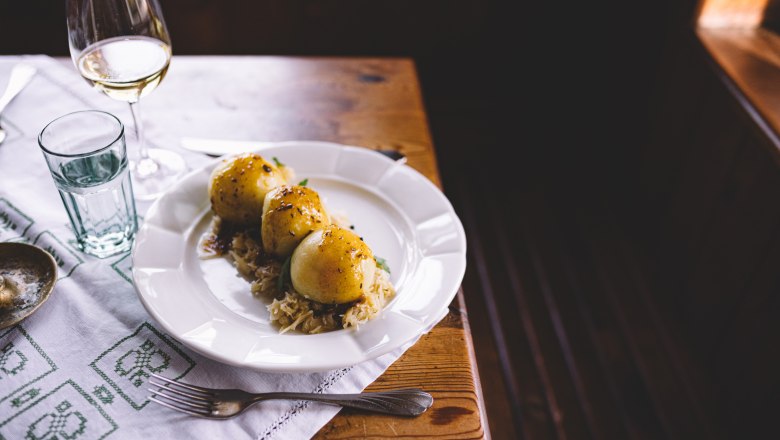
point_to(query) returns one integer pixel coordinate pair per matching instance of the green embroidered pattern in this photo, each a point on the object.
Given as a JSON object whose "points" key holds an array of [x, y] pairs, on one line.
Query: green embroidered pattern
{"points": [[102, 393], [13, 223], [6, 222], [11, 361], [137, 364], [25, 397], [127, 365], [123, 266], [67, 260], [58, 424], [67, 412], [22, 363]]}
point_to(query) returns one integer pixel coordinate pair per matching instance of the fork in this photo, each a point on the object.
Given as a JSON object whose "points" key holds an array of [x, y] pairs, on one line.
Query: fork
{"points": [[221, 404]]}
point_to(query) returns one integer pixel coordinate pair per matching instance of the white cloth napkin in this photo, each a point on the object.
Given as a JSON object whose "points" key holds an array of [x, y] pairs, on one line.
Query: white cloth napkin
{"points": [[77, 368]]}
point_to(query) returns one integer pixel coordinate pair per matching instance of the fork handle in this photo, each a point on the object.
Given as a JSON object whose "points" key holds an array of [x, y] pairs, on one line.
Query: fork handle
{"points": [[404, 402]]}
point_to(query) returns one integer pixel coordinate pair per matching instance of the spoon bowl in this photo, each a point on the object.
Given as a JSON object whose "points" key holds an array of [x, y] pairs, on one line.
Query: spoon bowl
{"points": [[27, 277]]}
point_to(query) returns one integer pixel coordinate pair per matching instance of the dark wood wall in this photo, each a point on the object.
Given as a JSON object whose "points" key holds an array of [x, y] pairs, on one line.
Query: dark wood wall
{"points": [[711, 186], [401, 27]]}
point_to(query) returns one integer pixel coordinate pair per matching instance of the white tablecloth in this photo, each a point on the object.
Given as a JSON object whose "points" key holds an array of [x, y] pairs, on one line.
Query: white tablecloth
{"points": [[77, 368]]}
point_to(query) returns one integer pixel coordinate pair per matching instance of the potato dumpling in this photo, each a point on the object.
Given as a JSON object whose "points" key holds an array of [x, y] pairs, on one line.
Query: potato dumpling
{"points": [[290, 213], [238, 187], [333, 266]]}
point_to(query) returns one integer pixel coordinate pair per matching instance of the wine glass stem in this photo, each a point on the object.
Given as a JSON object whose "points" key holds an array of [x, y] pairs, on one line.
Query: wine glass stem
{"points": [[146, 166], [143, 153]]}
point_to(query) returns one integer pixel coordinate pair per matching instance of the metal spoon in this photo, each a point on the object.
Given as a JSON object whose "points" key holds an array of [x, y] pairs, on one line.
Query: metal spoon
{"points": [[27, 277], [21, 75]]}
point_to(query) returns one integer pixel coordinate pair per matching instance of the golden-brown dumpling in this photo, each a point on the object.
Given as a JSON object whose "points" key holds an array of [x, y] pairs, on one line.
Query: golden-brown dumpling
{"points": [[333, 266], [238, 187], [290, 213]]}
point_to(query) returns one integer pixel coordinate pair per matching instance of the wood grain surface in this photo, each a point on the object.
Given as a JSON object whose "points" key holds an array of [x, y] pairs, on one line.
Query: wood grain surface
{"points": [[440, 363]]}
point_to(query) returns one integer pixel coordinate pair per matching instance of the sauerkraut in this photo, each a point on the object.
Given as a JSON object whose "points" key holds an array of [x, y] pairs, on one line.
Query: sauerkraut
{"points": [[290, 310]]}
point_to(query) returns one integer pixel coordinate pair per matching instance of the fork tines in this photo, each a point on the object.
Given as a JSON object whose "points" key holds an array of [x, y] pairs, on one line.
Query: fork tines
{"points": [[182, 397]]}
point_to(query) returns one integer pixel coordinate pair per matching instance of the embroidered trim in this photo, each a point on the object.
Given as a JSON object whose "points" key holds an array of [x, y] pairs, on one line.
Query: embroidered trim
{"points": [[133, 368], [32, 342], [299, 406]]}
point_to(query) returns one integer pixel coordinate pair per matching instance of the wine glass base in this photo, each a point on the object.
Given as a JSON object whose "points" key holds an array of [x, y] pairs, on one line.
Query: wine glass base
{"points": [[152, 176]]}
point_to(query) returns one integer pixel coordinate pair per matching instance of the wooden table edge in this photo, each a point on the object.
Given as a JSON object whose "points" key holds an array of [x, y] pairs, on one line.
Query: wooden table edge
{"points": [[457, 309]]}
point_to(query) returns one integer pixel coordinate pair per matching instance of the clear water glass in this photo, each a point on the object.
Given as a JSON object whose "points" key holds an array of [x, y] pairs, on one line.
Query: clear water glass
{"points": [[87, 157]]}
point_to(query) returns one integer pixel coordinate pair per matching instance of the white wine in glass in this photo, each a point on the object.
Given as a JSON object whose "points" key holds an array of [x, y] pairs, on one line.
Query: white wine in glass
{"points": [[123, 49]]}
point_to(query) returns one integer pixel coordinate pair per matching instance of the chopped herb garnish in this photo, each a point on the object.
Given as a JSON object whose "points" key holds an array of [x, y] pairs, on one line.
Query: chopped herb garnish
{"points": [[276, 162], [382, 264], [303, 182], [284, 275]]}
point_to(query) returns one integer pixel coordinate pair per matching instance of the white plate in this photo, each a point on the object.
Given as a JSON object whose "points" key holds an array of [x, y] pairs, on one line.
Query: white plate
{"points": [[204, 304]]}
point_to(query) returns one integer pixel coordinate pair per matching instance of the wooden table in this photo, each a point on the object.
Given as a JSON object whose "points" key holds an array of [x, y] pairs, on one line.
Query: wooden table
{"points": [[370, 102]]}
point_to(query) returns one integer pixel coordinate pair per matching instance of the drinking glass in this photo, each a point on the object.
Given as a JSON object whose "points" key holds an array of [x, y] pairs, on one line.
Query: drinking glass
{"points": [[122, 48], [87, 158]]}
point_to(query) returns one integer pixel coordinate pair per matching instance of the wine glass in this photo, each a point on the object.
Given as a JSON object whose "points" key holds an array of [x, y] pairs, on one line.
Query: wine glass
{"points": [[122, 48]]}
